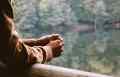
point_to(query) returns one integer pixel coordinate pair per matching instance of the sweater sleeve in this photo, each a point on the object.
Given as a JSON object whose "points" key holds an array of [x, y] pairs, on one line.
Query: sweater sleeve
{"points": [[30, 55]]}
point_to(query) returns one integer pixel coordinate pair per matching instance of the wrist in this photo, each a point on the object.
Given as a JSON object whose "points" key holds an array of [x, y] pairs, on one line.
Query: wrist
{"points": [[49, 54]]}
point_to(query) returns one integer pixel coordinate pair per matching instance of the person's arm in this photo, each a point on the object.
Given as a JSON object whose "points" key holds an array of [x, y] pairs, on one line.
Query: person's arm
{"points": [[39, 54], [42, 41], [25, 54]]}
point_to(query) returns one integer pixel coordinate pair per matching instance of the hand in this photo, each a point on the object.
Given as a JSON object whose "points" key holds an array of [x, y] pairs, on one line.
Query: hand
{"points": [[46, 39], [56, 46]]}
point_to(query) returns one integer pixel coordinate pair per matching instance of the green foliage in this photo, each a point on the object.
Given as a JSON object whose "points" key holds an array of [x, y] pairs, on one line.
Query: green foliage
{"points": [[97, 50]]}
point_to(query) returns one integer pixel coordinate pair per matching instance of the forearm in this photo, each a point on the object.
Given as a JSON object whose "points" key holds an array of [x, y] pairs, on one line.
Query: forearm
{"points": [[25, 51], [42, 41], [35, 54], [35, 41], [30, 42]]}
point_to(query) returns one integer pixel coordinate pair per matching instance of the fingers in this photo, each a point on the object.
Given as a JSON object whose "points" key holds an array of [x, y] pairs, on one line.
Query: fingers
{"points": [[60, 45], [56, 37], [57, 43], [52, 37], [57, 47]]}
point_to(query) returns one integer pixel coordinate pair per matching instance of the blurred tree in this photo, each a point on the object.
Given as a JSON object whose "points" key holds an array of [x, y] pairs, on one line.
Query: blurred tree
{"points": [[97, 50]]}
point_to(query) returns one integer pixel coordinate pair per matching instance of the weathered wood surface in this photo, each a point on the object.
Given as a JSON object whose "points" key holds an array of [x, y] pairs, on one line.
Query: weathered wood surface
{"points": [[42, 70]]}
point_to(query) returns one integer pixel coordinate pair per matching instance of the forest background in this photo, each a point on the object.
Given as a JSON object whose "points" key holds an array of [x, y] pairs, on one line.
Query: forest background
{"points": [[90, 29]]}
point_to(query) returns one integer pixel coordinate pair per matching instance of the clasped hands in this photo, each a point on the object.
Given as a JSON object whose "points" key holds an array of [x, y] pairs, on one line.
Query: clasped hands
{"points": [[53, 41]]}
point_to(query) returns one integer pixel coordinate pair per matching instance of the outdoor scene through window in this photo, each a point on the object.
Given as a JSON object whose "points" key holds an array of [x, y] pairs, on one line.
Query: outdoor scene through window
{"points": [[90, 29]]}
